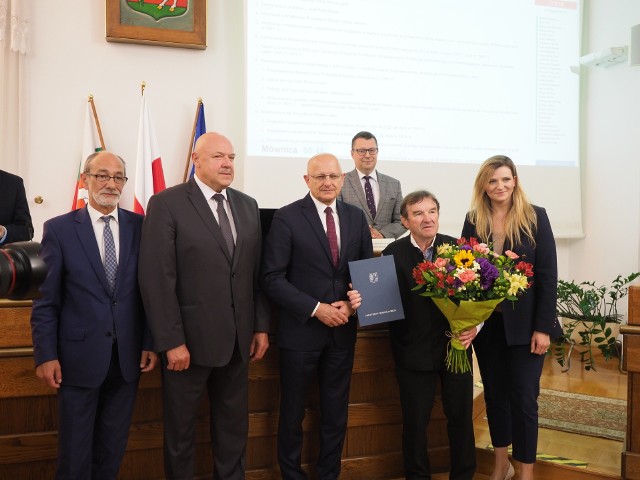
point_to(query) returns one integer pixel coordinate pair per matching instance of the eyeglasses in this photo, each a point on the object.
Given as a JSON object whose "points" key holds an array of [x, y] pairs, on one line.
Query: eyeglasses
{"points": [[101, 178], [334, 177], [363, 151]]}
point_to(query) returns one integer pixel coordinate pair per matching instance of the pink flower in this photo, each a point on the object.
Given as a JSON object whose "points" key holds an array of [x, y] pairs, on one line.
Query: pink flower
{"points": [[481, 248], [441, 262], [511, 255], [467, 276]]}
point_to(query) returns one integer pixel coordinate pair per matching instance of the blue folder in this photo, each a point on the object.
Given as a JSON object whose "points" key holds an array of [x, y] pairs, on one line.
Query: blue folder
{"points": [[377, 281]]}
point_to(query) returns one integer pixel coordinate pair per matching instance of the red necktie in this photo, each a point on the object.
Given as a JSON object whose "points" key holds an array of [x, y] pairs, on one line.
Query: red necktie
{"points": [[368, 193], [332, 236]]}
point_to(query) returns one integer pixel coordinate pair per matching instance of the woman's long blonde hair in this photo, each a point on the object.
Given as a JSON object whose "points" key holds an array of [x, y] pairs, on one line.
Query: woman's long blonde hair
{"points": [[521, 218]]}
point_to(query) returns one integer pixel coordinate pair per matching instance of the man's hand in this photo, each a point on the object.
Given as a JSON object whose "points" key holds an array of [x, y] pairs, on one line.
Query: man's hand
{"points": [[355, 298], [375, 233], [178, 358], [50, 373], [259, 345], [332, 315], [148, 361]]}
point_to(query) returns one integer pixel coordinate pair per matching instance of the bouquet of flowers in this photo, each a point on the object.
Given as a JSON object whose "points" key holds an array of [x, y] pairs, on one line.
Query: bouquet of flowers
{"points": [[467, 281]]}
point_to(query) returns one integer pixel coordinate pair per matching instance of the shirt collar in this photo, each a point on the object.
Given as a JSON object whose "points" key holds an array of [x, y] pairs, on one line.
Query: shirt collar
{"points": [[207, 191], [415, 244], [373, 175], [96, 215], [321, 206]]}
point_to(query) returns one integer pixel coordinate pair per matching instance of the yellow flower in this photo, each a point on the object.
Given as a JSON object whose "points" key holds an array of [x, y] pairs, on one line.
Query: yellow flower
{"points": [[517, 282], [464, 258], [444, 249]]}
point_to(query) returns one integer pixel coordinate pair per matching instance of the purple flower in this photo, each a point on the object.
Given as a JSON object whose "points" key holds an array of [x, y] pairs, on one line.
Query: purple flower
{"points": [[488, 273]]}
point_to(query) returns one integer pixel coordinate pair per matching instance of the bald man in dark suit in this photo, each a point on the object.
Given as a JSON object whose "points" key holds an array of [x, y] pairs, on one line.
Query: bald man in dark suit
{"points": [[199, 271], [305, 272], [15, 219]]}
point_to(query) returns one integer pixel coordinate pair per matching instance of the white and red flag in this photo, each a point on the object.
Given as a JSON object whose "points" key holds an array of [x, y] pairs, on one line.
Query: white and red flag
{"points": [[149, 174]]}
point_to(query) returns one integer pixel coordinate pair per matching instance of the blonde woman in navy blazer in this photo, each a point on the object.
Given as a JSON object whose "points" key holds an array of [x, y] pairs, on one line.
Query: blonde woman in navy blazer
{"points": [[511, 346]]}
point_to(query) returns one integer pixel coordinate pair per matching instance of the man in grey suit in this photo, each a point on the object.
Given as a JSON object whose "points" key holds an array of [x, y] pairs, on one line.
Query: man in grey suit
{"points": [[199, 267], [378, 195]]}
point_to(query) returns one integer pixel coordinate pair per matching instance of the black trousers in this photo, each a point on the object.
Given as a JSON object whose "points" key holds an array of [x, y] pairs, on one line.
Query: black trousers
{"points": [[183, 393], [333, 366], [417, 392], [511, 379]]}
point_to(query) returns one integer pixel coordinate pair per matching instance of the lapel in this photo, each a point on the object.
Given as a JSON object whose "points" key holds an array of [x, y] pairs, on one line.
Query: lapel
{"points": [[89, 245], [238, 212], [354, 181], [126, 239], [310, 212], [384, 192], [345, 229], [201, 206]]}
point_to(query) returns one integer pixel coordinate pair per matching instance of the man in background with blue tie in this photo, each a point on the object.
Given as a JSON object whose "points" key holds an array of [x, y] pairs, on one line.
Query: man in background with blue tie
{"points": [[89, 333], [306, 273], [378, 195]]}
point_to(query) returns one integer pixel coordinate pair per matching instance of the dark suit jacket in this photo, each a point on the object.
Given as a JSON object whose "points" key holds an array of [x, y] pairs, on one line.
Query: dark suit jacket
{"points": [[193, 292], [419, 341], [298, 271], [535, 310], [74, 319], [14, 209], [387, 219]]}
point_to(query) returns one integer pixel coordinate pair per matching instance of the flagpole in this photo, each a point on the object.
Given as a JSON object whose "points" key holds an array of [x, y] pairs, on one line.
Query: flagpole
{"points": [[95, 117], [142, 85], [193, 136]]}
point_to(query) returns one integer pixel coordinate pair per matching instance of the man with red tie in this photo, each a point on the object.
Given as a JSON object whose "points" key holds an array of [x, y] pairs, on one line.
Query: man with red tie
{"points": [[305, 272]]}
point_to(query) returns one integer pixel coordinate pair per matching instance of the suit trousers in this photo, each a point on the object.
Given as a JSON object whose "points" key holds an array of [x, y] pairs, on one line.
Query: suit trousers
{"points": [[183, 393], [333, 366], [94, 426], [511, 379], [417, 393]]}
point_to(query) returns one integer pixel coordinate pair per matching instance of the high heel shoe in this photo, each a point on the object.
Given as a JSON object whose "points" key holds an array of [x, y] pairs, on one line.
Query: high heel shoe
{"points": [[510, 473]]}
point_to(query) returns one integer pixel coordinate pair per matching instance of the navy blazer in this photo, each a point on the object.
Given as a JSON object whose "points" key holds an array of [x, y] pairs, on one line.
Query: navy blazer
{"points": [[14, 209], [298, 271], [535, 310], [74, 319]]}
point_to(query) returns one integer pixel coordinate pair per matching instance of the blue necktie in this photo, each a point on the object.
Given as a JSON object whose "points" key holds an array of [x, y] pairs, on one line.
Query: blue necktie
{"points": [[223, 221], [368, 193], [110, 260]]}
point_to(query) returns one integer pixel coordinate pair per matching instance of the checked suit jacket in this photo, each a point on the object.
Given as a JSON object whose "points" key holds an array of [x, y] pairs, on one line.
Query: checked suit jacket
{"points": [[387, 220]]}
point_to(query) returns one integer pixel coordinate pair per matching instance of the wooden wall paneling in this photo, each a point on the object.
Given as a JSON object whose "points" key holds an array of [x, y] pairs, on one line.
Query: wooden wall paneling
{"points": [[28, 416], [631, 360]]}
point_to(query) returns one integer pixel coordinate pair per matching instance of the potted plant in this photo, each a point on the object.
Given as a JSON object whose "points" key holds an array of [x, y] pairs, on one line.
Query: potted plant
{"points": [[589, 311]]}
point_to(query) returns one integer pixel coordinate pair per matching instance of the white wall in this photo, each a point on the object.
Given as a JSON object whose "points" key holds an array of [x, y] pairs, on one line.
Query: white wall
{"points": [[610, 153], [70, 59]]}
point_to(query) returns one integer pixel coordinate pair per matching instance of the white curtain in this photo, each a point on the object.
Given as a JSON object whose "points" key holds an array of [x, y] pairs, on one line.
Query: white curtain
{"points": [[14, 48]]}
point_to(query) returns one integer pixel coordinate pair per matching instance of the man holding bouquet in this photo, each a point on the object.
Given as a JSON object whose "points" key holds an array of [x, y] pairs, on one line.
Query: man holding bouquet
{"points": [[419, 345]]}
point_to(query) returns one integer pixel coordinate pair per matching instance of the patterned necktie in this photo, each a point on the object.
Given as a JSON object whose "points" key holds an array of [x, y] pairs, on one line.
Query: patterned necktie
{"points": [[332, 236], [110, 260], [223, 221], [368, 193]]}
